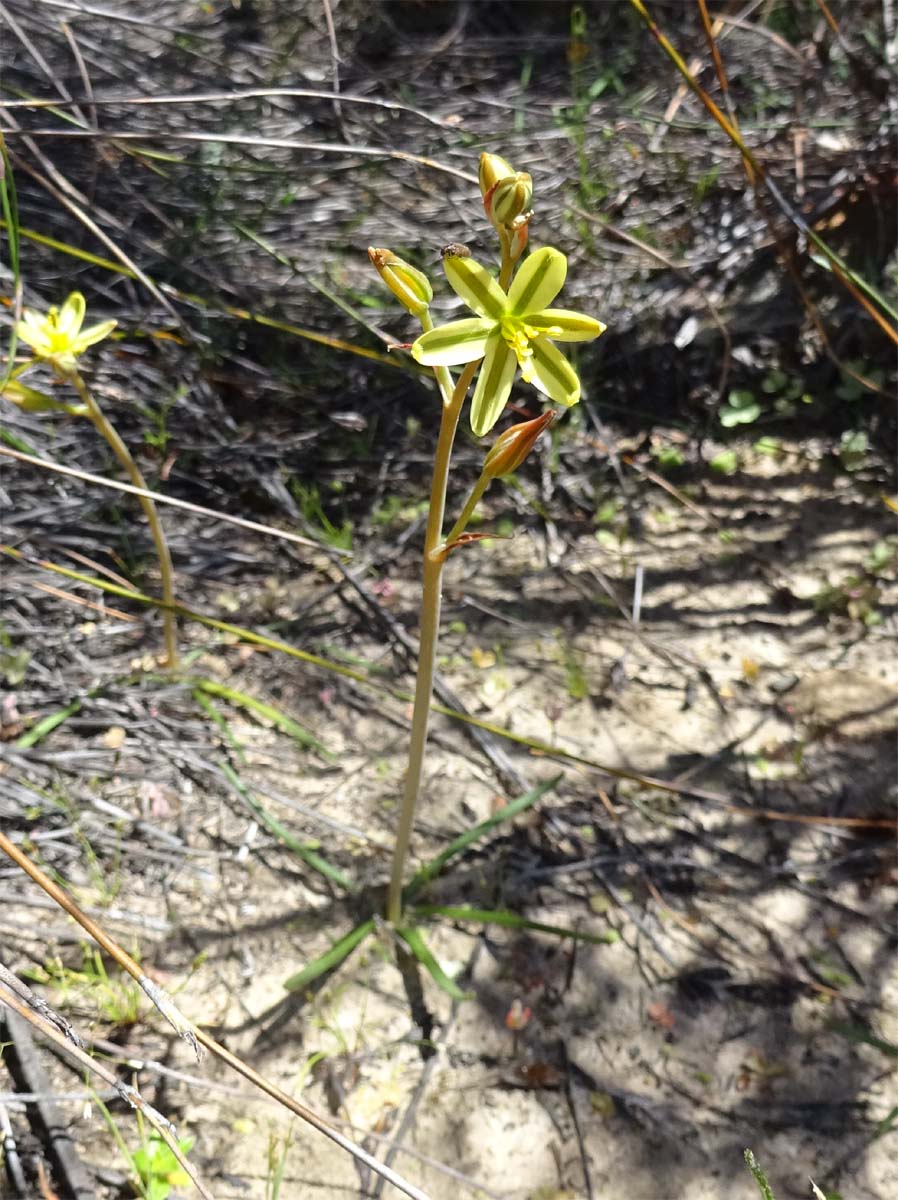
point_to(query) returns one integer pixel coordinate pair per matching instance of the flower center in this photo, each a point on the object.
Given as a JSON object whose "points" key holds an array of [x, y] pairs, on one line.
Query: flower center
{"points": [[518, 335], [59, 339]]}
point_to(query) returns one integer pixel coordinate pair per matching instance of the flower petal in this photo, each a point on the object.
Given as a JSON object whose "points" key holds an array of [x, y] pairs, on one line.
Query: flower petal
{"points": [[538, 281], [32, 330], [493, 384], [71, 315], [564, 325], [553, 375], [452, 344], [91, 335], [476, 286]]}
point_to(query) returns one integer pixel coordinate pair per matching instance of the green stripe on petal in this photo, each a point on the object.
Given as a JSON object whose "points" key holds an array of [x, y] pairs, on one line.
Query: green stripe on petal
{"points": [[564, 325], [452, 344], [476, 287], [493, 384], [538, 281], [553, 375]]}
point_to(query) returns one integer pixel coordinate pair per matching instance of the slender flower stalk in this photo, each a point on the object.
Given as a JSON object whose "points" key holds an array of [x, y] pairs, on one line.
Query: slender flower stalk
{"points": [[107, 430], [431, 604]]}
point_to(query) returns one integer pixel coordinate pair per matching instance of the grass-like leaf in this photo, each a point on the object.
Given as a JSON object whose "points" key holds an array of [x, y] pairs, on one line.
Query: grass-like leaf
{"points": [[307, 853], [860, 1034], [760, 1178], [268, 712], [415, 942], [430, 870], [331, 958], [10, 208], [39, 731], [215, 716], [498, 916]]}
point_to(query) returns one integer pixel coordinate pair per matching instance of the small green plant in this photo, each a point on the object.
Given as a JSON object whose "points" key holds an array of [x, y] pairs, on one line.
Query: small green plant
{"points": [[158, 1170], [158, 435], [725, 463], [57, 338], [857, 595], [117, 1000], [309, 501], [741, 408]]}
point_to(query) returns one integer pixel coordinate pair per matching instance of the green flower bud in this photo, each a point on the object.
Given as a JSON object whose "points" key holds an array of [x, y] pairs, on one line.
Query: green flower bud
{"points": [[410, 286], [492, 169], [509, 198]]}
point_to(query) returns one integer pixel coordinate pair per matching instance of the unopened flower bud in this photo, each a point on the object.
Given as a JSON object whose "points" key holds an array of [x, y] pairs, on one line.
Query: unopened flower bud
{"points": [[520, 231], [492, 169], [509, 198], [410, 286], [512, 447]]}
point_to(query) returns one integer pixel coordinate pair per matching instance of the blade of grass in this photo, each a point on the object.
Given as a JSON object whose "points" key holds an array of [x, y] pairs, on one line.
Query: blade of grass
{"points": [[331, 958], [46, 726], [10, 208], [268, 712], [510, 920], [302, 850], [218, 719], [760, 1177], [415, 942], [858, 1034], [430, 870]]}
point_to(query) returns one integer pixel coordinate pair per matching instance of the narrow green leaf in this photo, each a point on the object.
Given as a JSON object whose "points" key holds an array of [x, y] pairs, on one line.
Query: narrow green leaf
{"points": [[415, 942], [10, 208], [286, 724], [308, 854], [487, 916], [215, 716], [760, 1177], [860, 1034], [331, 958], [38, 732], [430, 870]]}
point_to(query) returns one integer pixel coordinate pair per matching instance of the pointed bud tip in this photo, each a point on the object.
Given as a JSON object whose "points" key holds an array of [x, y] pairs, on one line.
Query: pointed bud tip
{"points": [[512, 447]]}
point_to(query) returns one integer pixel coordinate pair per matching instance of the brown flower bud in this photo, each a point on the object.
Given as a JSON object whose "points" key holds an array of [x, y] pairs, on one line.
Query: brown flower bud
{"points": [[511, 447]]}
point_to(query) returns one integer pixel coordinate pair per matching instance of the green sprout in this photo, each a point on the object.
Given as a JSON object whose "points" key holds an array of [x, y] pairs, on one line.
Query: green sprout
{"points": [[158, 1168]]}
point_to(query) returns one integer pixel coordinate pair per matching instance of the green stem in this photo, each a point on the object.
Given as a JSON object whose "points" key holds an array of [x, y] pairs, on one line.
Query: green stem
{"points": [[468, 511], [431, 601], [106, 430]]}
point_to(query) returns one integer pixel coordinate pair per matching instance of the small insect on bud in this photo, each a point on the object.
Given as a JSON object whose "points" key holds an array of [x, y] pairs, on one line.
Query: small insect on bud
{"points": [[512, 447], [455, 250], [509, 198], [492, 169], [410, 286]]}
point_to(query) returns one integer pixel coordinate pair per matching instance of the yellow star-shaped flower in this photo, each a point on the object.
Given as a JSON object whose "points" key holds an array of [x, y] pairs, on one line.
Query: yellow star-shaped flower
{"points": [[510, 330], [57, 336]]}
